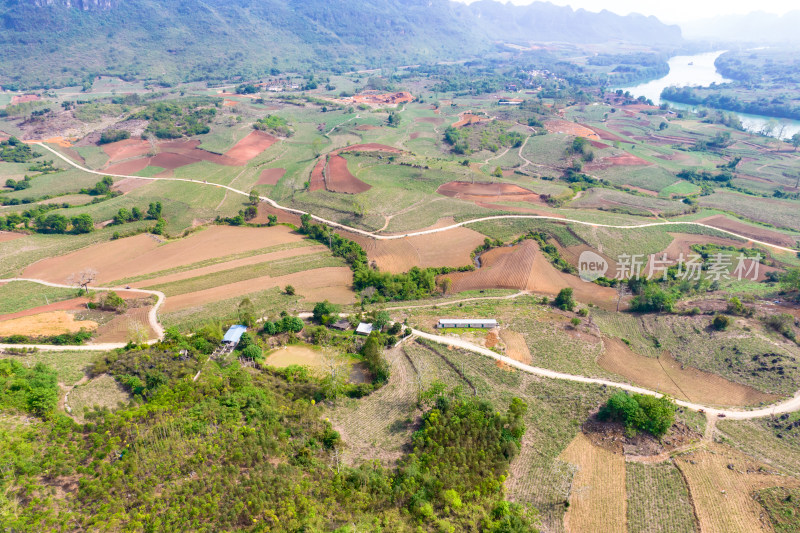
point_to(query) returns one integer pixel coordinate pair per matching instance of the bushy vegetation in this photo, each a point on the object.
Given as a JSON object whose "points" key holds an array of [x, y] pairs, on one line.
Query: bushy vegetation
{"points": [[274, 124], [173, 120], [36, 219], [31, 390], [15, 151], [112, 136], [640, 412]]}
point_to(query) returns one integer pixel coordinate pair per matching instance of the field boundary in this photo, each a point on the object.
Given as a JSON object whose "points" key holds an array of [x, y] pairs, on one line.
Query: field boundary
{"points": [[372, 235]]}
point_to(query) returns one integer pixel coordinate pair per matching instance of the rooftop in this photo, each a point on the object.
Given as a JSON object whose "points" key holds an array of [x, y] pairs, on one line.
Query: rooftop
{"points": [[234, 333]]}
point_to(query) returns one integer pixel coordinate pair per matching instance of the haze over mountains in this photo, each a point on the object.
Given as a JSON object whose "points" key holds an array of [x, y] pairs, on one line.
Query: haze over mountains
{"points": [[753, 27], [54, 41]]}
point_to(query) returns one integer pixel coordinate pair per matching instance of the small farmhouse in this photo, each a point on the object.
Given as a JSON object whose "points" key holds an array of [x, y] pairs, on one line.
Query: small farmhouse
{"points": [[485, 323], [233, 335]]}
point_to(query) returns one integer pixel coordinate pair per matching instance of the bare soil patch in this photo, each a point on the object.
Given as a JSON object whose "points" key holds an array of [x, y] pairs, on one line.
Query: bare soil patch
{"points": [[317, 180], [24, 98], [6, 236], [430, 120], [378, 99], [525, 268], [44, 324], [126, 149], [571, 128], [341, 180], [606, 135], [488, 194], [516, 347], [271, 176], [753, 232], [127, 185], [284, 217], [141, 254], [252, 145], [450, 249], [626, 160], [665, 374], [131, 166], [468, 119], [74, 304], [123, 328]]}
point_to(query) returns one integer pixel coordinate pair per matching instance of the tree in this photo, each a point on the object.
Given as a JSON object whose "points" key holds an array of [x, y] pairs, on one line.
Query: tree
{"points": [[322, 310], [52, 223], [252, 352], [445, 284], [247, 312], [497, 172], [381, 319], [254, 198], [82, 223], [111, 301], [790, 281], [289, 290], [272, 220], [83, 278], [154, 210], [565, 300], [795, 140]]}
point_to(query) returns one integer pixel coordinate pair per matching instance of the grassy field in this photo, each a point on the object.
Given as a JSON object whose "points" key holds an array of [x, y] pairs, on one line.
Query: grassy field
{"points": [[658, 500], [779, 213], [757, 439], [276, 268], [21, 295], [70, 366], [783, 506]]}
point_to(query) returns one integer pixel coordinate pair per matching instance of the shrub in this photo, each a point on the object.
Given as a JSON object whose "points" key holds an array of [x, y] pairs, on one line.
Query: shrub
{"points": [[565, 300], [721, 322]]}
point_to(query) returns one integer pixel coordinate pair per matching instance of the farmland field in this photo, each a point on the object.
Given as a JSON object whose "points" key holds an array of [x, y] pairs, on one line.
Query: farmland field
{"points": [[658, 501]]}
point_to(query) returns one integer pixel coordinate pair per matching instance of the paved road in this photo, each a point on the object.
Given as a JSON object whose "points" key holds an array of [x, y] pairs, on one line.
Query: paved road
{"points": [[152, 317], [786, 406], [331, 223]]}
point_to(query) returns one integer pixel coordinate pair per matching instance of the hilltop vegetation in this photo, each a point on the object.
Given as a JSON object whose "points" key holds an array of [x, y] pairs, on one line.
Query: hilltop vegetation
{"points": [[220, 40]]}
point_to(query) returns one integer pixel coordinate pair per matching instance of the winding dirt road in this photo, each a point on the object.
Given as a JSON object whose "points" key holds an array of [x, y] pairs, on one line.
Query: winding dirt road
{"points": [[152, 317], [333, 224]]}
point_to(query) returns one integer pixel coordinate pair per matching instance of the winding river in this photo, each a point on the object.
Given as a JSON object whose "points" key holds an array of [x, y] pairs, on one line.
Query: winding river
{"points": [[699, 71]]}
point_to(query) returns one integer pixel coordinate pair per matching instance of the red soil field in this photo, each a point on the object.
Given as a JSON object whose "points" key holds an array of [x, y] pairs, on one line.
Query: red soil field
{"points": [[9, 236], [118, 329], [570, 128], [626, 160], [128, 167], [451, 249], [138, 255], [126, 149], [249, 147], [606, 135], [72, 154], [598, 144], [524, 267], [414, 135], [271, 176], [73, 304], [341, 180], [127, 185], [21, 99], [264, 210], [488, 194], [317, 181], [760, 234]]}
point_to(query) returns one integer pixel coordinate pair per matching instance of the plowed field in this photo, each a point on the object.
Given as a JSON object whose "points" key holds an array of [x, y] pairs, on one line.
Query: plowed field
{"points": [[523, 267], [753, 232], [121, 328], [668, 376], [134, 256], [9, 236], [451, 248], [597, 497], [253, 144], [721, 481], [271, 176], [626, 160], [467, 119], [341, 180], [570, 128]]}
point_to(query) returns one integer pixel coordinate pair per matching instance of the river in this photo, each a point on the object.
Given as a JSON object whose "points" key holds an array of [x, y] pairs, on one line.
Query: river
{"points": [[699, 71]]}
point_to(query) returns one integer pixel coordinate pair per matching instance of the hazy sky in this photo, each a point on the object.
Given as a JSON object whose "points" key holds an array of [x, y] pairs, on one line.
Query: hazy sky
{"points": [[677, 10]]}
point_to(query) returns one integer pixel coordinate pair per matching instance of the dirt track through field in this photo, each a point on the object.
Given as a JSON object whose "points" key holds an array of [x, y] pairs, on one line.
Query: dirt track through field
{"points": [[376, 236], [666, 375]]}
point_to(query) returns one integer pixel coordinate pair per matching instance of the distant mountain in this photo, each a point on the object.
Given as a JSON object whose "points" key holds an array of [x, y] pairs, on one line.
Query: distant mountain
{"points": [[757, 27], [543, 22], [57, 42]]}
